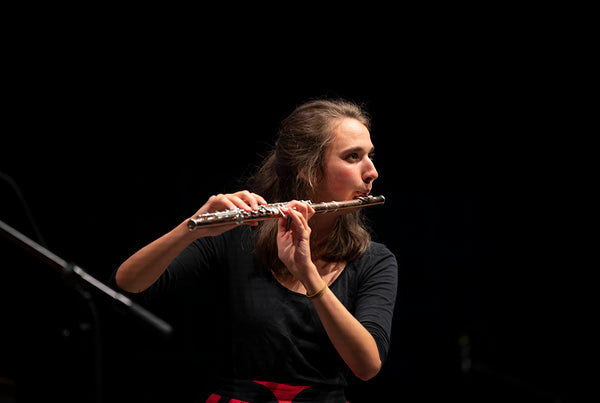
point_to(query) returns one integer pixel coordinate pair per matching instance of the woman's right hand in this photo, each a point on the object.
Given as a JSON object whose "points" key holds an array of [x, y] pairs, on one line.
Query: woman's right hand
{"points": [[243, 199]]}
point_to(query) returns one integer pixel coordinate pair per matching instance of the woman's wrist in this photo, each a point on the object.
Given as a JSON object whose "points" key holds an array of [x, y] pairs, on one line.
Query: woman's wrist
{"points": [[318, 293], [182, 232], [313, 282]]}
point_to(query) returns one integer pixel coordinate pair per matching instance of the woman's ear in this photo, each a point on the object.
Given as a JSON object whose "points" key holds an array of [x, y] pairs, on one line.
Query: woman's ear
{"points": [[302, 173]]}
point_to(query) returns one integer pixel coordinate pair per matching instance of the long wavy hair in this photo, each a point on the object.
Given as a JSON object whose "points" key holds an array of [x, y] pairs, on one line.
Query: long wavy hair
{"points": [[293, 169]]}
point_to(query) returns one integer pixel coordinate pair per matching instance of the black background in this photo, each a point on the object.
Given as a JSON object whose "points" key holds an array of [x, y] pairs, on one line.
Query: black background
{"points": [[114, 140]]}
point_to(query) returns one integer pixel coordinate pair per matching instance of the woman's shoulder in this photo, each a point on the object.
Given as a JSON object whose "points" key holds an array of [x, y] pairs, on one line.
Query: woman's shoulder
{"points": [[378, 265], [376, 258], [378, 250]]}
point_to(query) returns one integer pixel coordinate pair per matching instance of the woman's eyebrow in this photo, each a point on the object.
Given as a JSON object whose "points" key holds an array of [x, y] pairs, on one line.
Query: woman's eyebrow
{"points": [[357, 149]]}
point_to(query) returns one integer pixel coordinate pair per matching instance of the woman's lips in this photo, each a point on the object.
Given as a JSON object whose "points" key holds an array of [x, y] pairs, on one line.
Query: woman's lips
{"points": [[362, 194]]}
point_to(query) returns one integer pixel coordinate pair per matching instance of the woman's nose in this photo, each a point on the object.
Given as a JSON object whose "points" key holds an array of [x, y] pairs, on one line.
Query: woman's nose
{"points": [[370, 173]]}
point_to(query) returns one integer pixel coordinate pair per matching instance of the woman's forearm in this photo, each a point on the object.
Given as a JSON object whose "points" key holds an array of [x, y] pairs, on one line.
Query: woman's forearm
{"points": [[352, 341], [145, 266]]}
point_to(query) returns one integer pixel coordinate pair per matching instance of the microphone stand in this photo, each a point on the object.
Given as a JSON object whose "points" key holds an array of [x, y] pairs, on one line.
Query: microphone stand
{"points": [[83, 283]]}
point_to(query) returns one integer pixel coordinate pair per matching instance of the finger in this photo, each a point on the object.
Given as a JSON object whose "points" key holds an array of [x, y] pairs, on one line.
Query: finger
{"points": [[218, 202], [240, 203], [298, 220], [303, 215], [304, 209], [282, 225], [260, 199], [310, 211], [247, 199], [301, 206], [252, 199]]}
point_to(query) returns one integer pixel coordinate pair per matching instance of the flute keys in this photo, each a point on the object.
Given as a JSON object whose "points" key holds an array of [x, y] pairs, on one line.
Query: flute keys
{"points": [[273, 210]]}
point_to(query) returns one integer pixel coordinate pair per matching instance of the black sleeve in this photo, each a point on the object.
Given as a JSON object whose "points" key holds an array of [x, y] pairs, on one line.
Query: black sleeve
{"points": [[377, 296], [188, 271]]}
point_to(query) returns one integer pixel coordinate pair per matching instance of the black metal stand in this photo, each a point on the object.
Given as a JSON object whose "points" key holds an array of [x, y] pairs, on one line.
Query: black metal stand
{"points": [[83, 284]]}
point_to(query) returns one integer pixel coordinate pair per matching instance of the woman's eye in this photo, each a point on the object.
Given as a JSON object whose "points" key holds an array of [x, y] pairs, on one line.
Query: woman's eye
{"points": [[353, 156]]}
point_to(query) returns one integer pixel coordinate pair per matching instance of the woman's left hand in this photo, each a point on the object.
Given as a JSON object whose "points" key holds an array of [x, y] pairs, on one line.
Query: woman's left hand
{"points": [[293, 241]]}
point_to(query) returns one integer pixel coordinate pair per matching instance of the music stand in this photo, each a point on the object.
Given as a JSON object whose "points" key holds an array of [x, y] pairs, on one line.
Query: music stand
{"points": [[83, 283]]}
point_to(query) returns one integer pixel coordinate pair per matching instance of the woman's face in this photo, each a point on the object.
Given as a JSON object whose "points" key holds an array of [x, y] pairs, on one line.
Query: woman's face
{"points": [[349, 169]]}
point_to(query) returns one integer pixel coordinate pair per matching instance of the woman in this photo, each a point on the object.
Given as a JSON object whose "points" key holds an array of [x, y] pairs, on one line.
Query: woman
{"points": [[305, 300]]}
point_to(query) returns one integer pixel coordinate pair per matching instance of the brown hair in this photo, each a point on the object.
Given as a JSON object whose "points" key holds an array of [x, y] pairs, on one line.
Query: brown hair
{"points": [[294, 167]]}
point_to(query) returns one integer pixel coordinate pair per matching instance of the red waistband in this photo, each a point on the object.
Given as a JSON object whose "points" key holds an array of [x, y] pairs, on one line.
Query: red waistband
{"points": [[283, 393]]}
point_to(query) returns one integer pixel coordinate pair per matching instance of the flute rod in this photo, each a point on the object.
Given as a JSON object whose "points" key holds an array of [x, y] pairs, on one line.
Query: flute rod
{"points": [[272, 211]]}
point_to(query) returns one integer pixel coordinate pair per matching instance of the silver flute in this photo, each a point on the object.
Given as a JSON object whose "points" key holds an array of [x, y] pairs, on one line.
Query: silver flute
{"points": [[273, 211]]}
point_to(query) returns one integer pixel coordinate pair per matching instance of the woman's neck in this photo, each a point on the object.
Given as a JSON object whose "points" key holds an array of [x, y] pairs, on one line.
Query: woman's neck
{"points": [[322, 226]]}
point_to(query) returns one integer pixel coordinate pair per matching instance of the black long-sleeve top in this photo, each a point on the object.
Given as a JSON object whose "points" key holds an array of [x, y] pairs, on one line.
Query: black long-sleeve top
{"points": [[269, 332]]}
